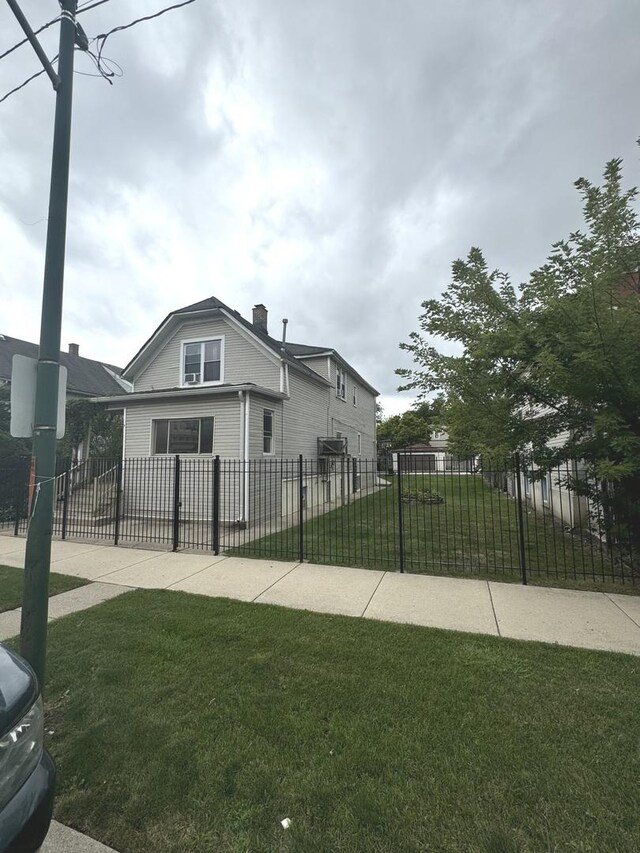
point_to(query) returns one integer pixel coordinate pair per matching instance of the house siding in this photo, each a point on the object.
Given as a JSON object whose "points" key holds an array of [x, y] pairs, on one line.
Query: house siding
{"points": [[349, 420], [318, 363], [244, 359], [148, 489], [305, 416], [224, 409]]}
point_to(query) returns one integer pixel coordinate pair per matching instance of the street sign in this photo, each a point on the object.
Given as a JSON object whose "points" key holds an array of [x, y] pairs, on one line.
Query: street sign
{"points": [[23, 397]]}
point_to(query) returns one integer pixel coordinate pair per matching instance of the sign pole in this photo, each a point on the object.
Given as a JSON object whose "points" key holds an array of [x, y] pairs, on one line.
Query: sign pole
{"points": [[35, 604]]}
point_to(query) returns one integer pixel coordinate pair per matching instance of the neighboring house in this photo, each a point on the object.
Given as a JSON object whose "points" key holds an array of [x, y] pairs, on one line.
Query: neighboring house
{"points": [[548, 493], [209, 382], [434, 456], [86, 378]]}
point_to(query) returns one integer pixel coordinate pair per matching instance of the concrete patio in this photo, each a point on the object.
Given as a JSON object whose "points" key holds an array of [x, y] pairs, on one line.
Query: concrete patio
{"points": [[590, 620]]}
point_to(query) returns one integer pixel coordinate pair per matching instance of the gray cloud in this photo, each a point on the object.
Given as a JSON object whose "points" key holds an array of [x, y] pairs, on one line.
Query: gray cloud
{"points": [[328, 159]]}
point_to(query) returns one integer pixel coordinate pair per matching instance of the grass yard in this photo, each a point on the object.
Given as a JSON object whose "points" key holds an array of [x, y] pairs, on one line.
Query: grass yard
{"points": [[183, 723], [473, 531], [11, 580]]}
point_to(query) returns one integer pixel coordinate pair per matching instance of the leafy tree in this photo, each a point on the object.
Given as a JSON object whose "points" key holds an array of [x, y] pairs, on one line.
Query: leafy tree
{"points": [[85, 419], [558, 356], [414, 426], [403, 430]]}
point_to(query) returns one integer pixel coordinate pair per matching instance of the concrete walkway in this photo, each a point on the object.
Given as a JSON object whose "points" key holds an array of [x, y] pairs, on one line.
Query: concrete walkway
{"points": [[591, 620]]}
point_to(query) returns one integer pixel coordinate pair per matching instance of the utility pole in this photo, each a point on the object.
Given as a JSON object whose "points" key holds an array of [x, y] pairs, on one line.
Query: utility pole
{"points": [[35, 602]]}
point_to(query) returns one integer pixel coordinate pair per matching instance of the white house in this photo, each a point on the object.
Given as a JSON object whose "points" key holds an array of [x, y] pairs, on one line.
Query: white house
{"points": [[210, 383]]}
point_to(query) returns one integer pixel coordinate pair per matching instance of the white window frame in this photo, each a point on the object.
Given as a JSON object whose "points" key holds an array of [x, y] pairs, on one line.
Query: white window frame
{"points": [[546, 498], [355, 394], [359, 444], [273, 430], [341, 384], [155, 421], [202, 341]]}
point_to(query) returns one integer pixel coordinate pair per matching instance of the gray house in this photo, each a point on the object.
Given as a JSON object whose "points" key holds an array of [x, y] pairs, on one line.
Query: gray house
{"points": [[85, 376], [209, 382]]}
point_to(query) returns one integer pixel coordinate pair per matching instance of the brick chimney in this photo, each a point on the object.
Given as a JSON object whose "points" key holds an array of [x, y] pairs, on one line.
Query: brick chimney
{"points": [[74, 349], [260, 318]]}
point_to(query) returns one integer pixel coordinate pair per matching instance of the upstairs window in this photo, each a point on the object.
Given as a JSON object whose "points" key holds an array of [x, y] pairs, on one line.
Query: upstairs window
{"points": [[202, 362], [355, 395], [341, 383], [193, 435], [267, 431]]}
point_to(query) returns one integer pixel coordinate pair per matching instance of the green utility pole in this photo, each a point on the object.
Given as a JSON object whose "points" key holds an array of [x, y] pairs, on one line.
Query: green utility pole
{"points": [[35, 602]]}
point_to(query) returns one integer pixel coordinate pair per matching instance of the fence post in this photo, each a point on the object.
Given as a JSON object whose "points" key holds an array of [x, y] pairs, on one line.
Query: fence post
{"points": [[215, 531], [65, 500], [400, 514], [300, 511], [116, 532], [22, 486], [176, 503], [521, 548]]}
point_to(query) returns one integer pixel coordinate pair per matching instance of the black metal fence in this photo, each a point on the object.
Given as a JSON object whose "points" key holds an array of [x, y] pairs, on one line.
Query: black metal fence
{"points": [[440, 515]]}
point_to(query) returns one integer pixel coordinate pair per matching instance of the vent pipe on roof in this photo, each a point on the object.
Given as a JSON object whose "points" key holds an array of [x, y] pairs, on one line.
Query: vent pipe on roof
{"points": [[260, 318], [284, 330], [74, 349]]}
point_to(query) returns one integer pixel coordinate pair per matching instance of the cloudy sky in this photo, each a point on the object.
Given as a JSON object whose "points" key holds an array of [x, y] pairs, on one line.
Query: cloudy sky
{"points": [[329, 158]]}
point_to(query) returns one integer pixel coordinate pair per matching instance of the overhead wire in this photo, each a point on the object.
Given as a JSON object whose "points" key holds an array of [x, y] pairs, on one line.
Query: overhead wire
{"points": [[28, 80], [25, 40], [102, 37], [103, 64]]}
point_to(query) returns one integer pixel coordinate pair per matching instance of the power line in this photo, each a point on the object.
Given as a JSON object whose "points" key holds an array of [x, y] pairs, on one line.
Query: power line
{"points": [[83, 8], [101, 64], [101, 39], [28, 80], [24, 41]]}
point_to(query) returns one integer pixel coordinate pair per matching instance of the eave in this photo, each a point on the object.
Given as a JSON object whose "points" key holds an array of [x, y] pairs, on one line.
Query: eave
{"points": [[122, 400]]}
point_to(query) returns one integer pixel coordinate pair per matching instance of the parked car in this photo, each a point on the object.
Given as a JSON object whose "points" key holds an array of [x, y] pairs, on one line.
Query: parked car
{"points": [[27, 774]]}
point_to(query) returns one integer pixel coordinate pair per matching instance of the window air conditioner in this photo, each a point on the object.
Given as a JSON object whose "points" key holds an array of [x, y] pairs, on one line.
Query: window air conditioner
{"points": [[191, 378], [332, 446]]}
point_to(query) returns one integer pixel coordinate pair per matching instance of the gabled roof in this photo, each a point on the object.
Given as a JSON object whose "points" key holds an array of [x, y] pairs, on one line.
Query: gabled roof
{"points": [[285, 351], [85, 376], [302, 350]]}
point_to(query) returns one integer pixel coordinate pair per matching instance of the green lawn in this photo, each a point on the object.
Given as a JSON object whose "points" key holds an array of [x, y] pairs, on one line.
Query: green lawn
{"points": [[182, 723], [473, 531], [11, 586]]}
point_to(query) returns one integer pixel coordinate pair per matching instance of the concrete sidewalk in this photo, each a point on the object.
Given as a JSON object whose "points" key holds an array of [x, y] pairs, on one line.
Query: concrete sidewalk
{"points": [[591, 620]]}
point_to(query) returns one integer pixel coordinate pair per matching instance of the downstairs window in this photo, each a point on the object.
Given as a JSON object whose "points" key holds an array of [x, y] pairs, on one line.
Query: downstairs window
{"points": [[192, 435]]}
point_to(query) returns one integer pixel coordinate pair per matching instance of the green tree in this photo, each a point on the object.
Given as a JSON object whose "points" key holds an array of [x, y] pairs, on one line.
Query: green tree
{"points": [[92, 422], [415, 426], [558, 356]]}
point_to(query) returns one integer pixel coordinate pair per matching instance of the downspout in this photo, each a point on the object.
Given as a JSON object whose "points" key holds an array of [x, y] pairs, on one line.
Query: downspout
{"points": [[241, 451], [247, 412]]}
